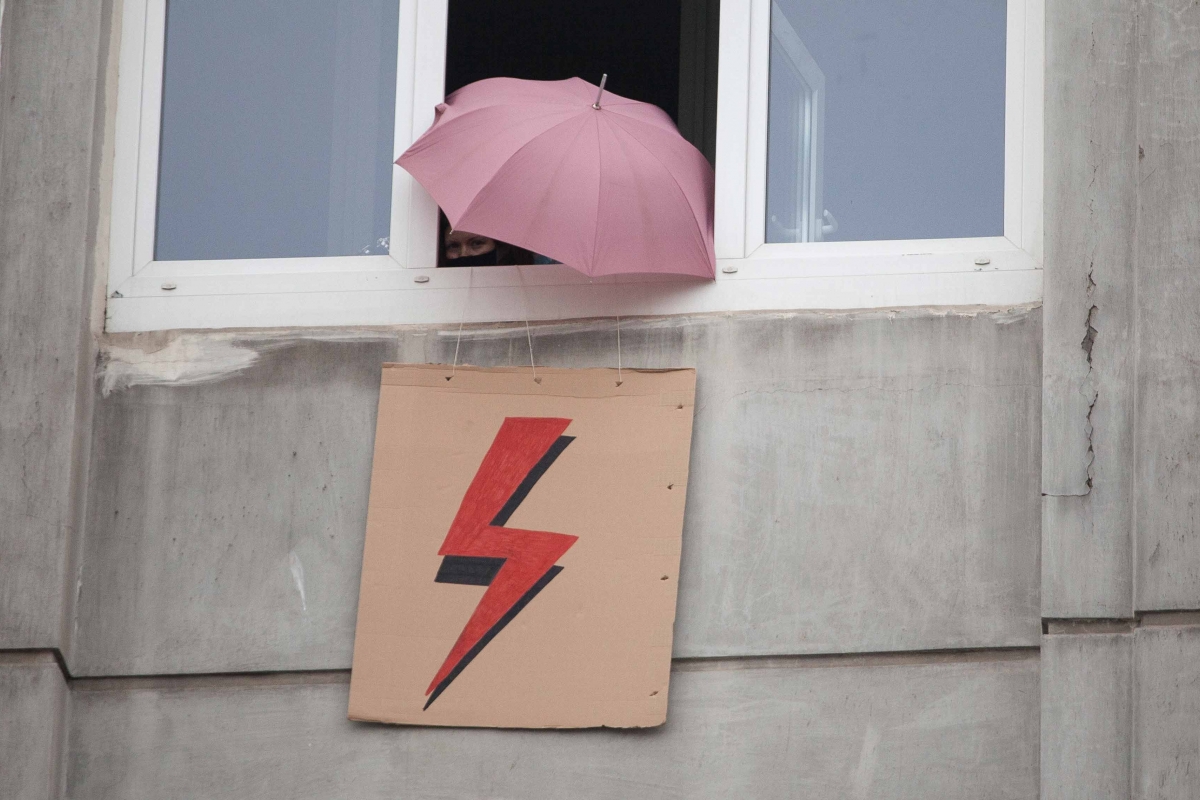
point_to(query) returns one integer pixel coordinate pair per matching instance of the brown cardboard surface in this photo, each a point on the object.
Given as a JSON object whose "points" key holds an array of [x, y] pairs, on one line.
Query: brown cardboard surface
{"points": [[591, 646]]}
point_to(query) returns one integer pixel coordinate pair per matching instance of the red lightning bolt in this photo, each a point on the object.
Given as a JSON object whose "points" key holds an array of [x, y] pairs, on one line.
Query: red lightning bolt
{"points": [[522, 450]]}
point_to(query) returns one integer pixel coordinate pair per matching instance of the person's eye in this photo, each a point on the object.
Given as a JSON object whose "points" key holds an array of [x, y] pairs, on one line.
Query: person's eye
{"points": [[478, 242]]}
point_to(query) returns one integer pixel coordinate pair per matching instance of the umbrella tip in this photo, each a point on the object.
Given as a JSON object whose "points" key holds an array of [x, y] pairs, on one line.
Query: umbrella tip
{"points": [[603, 80]]}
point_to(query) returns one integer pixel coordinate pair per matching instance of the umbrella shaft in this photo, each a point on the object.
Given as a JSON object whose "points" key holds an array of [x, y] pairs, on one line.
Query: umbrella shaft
{"points": [[603, 79]]}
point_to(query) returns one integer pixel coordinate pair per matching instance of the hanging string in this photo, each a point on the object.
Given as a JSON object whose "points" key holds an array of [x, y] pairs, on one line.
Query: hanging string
{"points": [[619, 381], [462, 319], [528, 333]]}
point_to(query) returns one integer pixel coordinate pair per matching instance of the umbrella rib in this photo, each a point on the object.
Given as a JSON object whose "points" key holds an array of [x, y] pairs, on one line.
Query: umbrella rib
{"points": [[621, 109], [514, 154], [599, 193], [678, 186], [423, 145], [554, 177], [466, 114]]}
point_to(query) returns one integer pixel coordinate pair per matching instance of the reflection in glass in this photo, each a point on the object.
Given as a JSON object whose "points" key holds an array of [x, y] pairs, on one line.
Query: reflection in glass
{"points": [[885, 120], [795, 133], [276, 128]]}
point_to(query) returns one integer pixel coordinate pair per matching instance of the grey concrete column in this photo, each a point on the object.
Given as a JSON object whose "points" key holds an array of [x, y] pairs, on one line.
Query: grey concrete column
{"points": [[1166, 738], [1167, 478], [33, 702], [50, 52], [1087, 707], [1087, 359]]}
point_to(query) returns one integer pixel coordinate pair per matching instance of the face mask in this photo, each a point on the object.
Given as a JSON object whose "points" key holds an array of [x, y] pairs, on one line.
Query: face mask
{"points": [[487, 259]]}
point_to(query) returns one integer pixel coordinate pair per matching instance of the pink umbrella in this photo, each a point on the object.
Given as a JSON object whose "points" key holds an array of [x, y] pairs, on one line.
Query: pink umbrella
{"points": [[601, 183]]}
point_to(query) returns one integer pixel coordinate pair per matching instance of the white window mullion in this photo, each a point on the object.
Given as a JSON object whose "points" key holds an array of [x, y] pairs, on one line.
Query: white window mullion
{"points": [[127, 130], [757, 111], [1014, 108], [151, 126], [402, 183], [1032, 130], [733, 128], [428, 89]]}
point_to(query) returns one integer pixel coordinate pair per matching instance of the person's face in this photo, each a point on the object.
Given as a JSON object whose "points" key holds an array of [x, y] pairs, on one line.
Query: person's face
{"points": [[460, 244]]}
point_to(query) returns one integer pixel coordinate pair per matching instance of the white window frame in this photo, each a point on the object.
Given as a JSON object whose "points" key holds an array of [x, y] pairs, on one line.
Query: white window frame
{"points": [[406, 288]]}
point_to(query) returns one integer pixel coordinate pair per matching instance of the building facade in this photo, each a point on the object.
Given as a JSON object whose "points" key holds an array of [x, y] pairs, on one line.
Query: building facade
{"points": [[930, 550]]}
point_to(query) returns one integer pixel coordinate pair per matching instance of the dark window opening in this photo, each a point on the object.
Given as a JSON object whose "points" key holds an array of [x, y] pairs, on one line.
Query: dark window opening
{"points": [[659, 51]]}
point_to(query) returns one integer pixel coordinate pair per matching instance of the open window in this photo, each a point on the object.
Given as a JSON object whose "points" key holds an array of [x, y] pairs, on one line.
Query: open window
{"points": [[867, 153], [662, 52]]}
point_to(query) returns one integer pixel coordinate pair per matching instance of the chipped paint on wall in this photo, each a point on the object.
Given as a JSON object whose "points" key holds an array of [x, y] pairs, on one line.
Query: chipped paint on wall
{"points": [[182, 361]]}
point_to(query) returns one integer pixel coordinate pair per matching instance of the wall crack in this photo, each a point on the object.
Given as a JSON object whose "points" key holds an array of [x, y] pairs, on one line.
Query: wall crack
{"points": [[1090, 332]]}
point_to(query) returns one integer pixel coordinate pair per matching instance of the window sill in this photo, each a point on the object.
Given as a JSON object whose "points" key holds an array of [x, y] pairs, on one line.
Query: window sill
{"points": [[375, 290]]}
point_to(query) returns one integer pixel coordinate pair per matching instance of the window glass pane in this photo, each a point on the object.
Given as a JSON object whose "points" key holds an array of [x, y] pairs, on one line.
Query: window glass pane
{"points": [[886, 120], [276, 128]]}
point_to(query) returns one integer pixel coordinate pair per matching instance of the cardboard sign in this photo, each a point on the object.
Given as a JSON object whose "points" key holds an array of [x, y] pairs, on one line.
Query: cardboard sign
{"points": [[522, 549]]}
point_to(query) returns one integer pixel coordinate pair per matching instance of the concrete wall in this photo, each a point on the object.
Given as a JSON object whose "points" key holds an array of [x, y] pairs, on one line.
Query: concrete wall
{"points": [[50, 62], [860, 482], [33, 703], [774, 730], [1121, 402], [1166, 389], [863, 608]]}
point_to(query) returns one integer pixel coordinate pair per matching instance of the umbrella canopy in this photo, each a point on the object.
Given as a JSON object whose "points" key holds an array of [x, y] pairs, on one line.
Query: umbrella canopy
{"points": [[605, 190]]}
